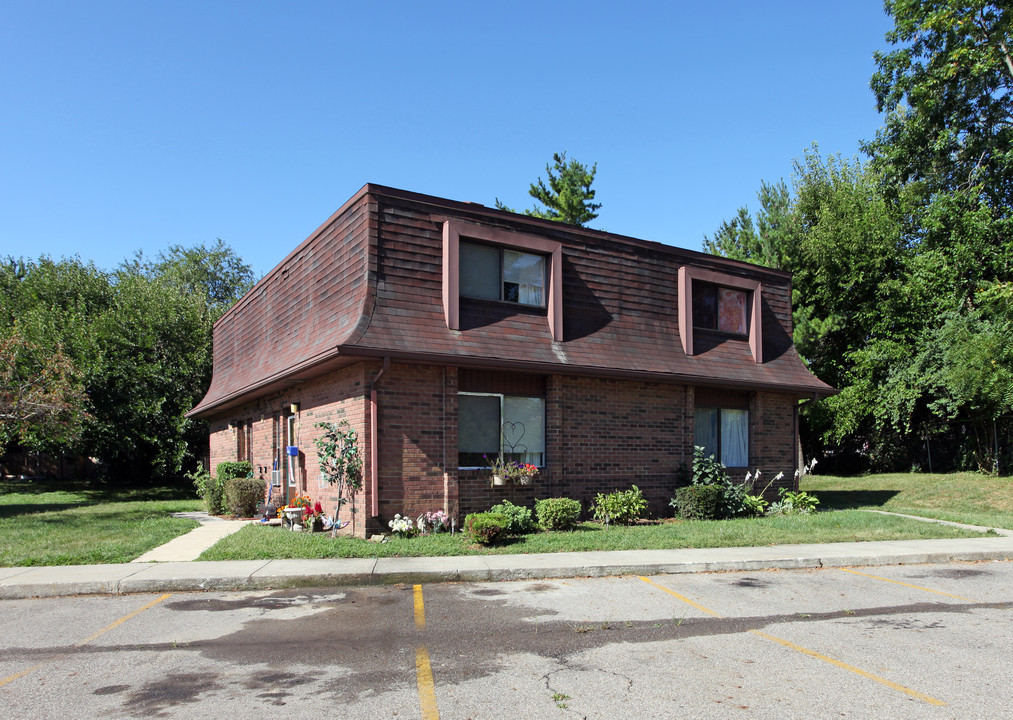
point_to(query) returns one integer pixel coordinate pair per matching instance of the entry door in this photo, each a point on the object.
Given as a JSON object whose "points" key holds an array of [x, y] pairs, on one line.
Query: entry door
{"points": [[290, 464]]}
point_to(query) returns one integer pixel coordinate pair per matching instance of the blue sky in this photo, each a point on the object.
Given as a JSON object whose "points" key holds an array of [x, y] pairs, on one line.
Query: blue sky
{"points": [[129, 126]]}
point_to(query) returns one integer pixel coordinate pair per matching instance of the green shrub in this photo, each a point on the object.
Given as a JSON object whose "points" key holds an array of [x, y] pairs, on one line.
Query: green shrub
{"points": [[226, 470], [558, 513], [242, 495], [793, 503], [486, 528], [623, 507], [210, 489], [521, 520], [709, 472], [706, 470], [698, 502]]}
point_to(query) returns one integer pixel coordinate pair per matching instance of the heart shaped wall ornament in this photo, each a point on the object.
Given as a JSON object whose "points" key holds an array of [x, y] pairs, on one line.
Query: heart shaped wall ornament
{"points": [[512, 433]]}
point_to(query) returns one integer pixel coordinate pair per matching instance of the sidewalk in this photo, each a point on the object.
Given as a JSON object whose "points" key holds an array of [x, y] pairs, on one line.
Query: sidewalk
{"points": [[178, 575]]}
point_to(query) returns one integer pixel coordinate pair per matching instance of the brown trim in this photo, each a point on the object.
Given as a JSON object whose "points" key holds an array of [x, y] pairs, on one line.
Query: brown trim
{"points": [[497, 381], [523, 366], [688, 274], [454, 229]]}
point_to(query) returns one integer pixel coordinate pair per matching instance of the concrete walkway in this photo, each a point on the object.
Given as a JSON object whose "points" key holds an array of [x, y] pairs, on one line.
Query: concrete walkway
{"points": [[190, 546], [178, 575]]}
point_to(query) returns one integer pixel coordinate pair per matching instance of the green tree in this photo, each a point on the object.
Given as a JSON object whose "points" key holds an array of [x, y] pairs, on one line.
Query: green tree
{"points": [[768, 241], [42, 400], [567, 197], [947, 140], [132, 348]]}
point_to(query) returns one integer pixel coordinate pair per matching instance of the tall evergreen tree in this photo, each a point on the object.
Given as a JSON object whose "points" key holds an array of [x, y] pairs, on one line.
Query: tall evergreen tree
{"points": [[567, 197]]}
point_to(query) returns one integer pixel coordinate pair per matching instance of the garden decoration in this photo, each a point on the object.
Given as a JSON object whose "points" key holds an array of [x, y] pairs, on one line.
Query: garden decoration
{"points": [[503, 470]]}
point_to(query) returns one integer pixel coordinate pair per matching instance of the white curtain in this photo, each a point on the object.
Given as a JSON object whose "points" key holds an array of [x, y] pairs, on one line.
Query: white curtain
{"points": [[528, 273], [735, 438]]}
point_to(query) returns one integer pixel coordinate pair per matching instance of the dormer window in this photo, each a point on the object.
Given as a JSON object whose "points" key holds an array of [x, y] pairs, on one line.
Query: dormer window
{"points": [[496, 273], [722, 302], [719, 308], [496, 264]]}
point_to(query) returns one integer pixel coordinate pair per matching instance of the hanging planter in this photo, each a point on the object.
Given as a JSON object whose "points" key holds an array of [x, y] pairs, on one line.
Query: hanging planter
{"points": [[498, 480]]}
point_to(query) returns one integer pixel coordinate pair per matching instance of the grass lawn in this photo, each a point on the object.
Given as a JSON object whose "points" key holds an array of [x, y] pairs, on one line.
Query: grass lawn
{"points": [[260, 542], [962, 497], [72, 524]]}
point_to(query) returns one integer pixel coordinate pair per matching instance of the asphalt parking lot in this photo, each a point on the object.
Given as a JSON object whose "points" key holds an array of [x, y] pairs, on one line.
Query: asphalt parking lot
{"points": [[914, 641]]}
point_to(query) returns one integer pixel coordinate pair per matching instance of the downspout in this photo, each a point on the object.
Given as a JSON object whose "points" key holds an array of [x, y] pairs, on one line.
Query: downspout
{"points": [[795, 445], [374, 450]]}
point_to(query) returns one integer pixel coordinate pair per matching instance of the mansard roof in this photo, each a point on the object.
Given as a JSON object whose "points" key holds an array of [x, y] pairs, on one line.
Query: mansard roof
{"points": [[370, 282]]}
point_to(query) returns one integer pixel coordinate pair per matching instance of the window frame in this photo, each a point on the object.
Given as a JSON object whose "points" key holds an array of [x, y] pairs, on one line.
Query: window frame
{"points": [[454, 230], [546, 261], [716, 328], [501, 397], [718, 451], [754, 315]]}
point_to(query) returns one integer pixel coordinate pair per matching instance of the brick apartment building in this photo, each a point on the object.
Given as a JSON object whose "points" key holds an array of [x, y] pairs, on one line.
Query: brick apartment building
{"points": [[443, 331]]}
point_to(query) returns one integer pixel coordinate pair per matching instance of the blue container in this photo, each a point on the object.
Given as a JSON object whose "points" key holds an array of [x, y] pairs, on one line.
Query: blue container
{"points": [[293, 450]]}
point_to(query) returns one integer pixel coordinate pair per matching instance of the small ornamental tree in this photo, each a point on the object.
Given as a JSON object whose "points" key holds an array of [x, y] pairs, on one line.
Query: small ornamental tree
{"points": [[340, 463]]}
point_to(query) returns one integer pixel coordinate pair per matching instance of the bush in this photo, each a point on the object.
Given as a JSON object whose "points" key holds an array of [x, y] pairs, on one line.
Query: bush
{"points": [[793, 503], [521, 520], [243, 494], [486, 528], [558, 513], [210, 489], [241, 469], [623, 507], [709, 472], [699, 502]]}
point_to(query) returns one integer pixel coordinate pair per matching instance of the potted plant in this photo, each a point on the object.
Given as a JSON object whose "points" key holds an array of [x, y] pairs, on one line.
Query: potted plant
{"points": [[295, 511], [504, 471]]}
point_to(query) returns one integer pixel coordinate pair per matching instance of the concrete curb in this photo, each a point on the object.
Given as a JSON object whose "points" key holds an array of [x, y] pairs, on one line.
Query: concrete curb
{"points": [[21, 583]]}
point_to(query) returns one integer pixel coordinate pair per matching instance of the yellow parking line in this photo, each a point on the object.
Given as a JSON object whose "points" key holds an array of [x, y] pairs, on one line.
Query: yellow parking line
{"points": [[850, 668], [420, 609], [685, 599], [898, 582], [122, 620], [423, 668], [806, 651], [427, 688], [15, 676]]}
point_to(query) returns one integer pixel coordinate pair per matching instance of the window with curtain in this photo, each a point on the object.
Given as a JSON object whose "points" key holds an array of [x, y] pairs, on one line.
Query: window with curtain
{"points": [[723, 433], [493, 425], [719, 308], [493, 273]]}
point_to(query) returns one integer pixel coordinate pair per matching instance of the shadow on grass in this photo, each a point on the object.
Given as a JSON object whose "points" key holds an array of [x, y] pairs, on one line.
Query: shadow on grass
{"points": [[9, 511], [94, 492], [851, 499]]}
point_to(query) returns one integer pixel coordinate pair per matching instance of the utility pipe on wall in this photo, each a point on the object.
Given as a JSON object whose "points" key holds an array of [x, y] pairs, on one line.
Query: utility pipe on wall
{"points": [[374, 442]]}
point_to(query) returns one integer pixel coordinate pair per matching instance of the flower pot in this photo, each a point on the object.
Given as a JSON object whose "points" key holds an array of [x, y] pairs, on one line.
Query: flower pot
{"points": [[293, 516], [498, 480]]}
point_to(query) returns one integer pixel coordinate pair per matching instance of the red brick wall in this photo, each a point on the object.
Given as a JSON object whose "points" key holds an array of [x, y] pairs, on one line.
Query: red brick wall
{"points": [[601, 435], [417, 441], [772, 439], [606, 435], [341, 395]]}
